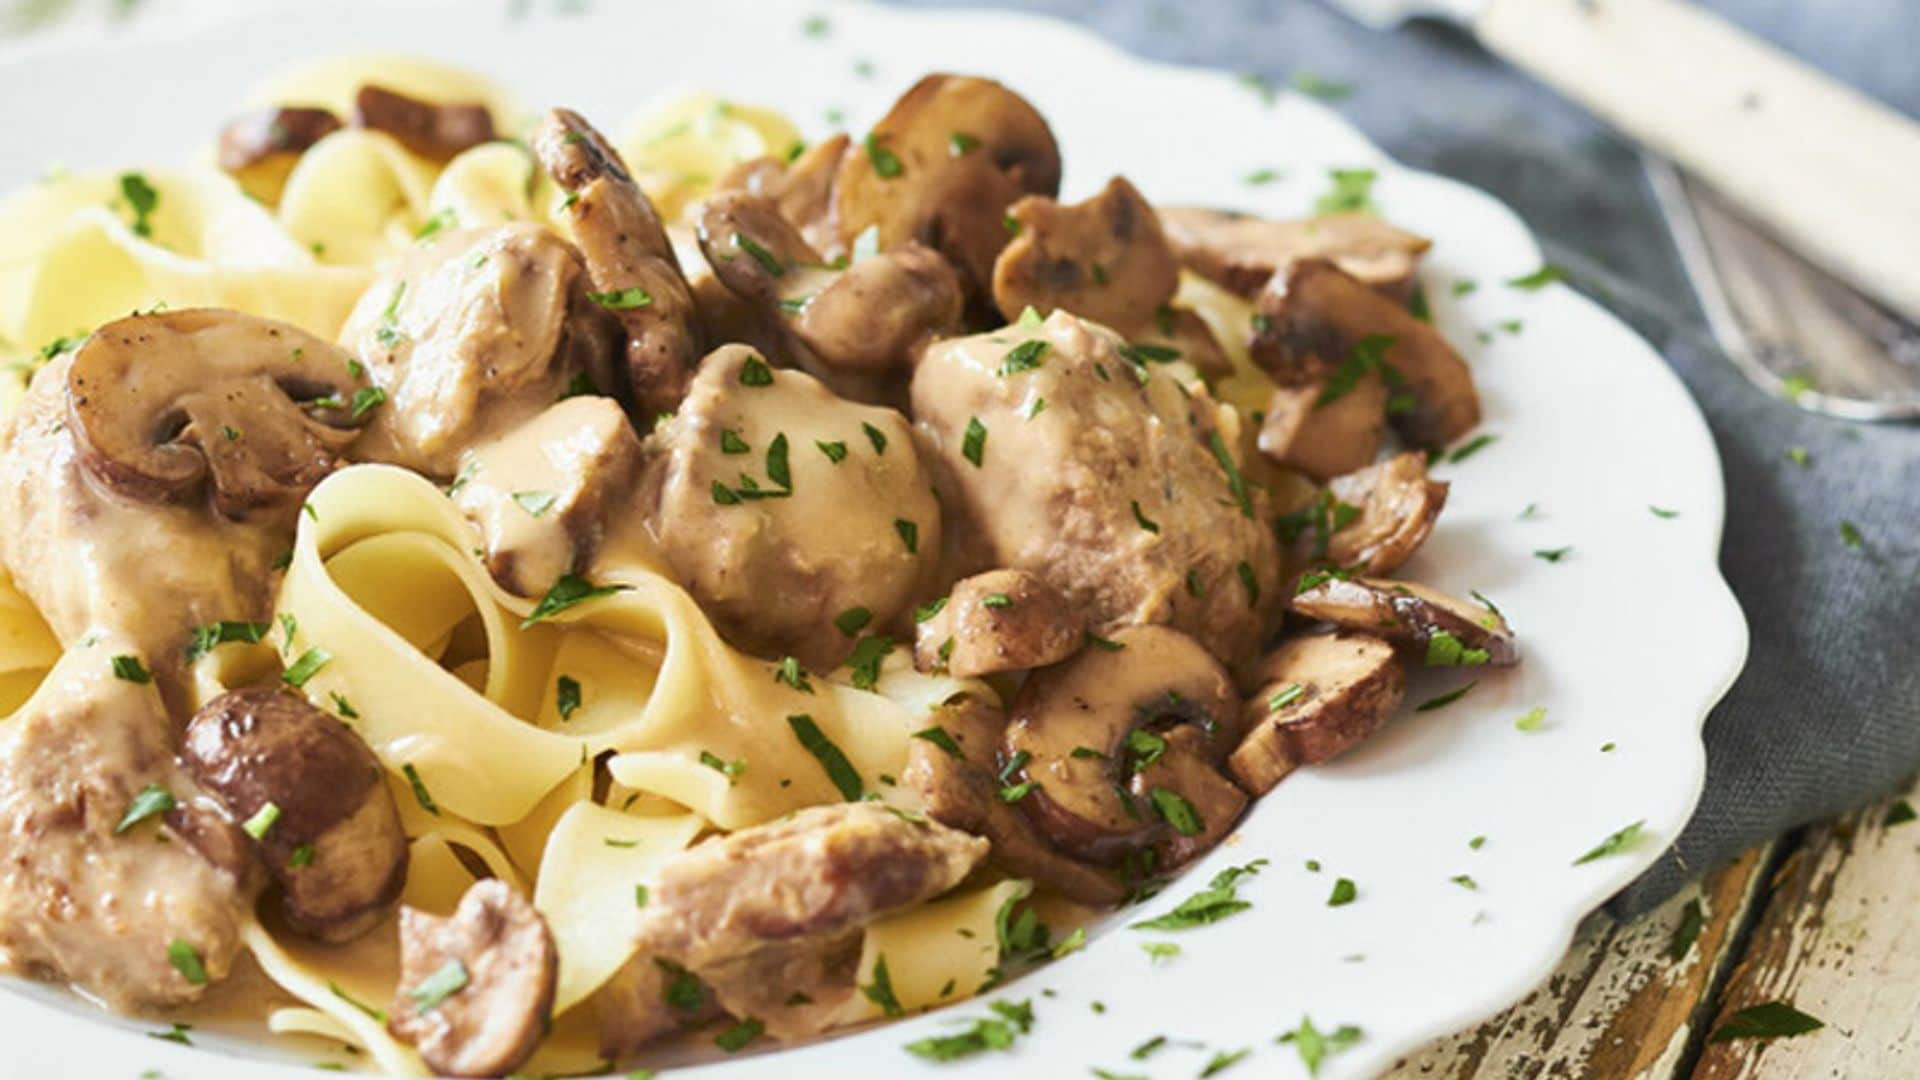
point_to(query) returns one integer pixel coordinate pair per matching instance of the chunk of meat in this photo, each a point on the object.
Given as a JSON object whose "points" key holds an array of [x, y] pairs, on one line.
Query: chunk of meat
{"points": [[87, 896], [802, 190], [780, 506], [541, 495], [1398, 505], [1445, 630], [1241, 252], [1325, 440], [471, 336], [962, 790], [1056, 458], [1317, 321], [763, 912], [647, 998], [1002, 620], [1104, 259], [476, 988], [845, 325], [93, 560], [629, 258], [1319, 696]]}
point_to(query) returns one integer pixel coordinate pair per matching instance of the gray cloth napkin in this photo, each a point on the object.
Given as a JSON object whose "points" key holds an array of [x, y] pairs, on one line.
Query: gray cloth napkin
{"points": [[1827, 714]]}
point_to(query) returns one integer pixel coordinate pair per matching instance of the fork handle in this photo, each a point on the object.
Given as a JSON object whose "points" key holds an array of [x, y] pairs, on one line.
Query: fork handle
{"points": [[1832, 172]]}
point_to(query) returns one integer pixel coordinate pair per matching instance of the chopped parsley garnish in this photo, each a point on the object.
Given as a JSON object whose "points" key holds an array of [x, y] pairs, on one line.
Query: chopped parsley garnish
{"points": [[147, 802], [996, 600], [732, 443], [1552, 555], [760, 254], [1620, 841], [1850, 535], [1261, 176], [1160, 950], [568, 590], [1767, 1020], [1072, 943], [682, 991], [1315, 1047], [729, 769], [1344, 893], [300, 856], [755, 372], [836, 451], [867, 656], [535, 503], [1692, 920], [875, 436], [1143, 520], [1799, 456], [366, 399], [1417, 305], [1368, 355], [987, 1033], [939, 737], [441, 220], [208, 637], [1146, 1049], [1025, 356], [371, 1012], [1285, 696], [175, 1034], [929, 609], [1446, 650], [639, 896], [973, 445], [790, 672], [1477, 843], [886, 163], [1663, 513], [622, 299], [1098, 642], [1532, 720], [131, 669], [388, 333], [1224, 1060], [1352, 191], [1217, 901], [739, 1035], [1013, 793], [1176, 811], [880, 990], [419, 786], [306, 667], [1236, 483], [1471, 447], [1325, 90], [262, 821], [436, 988], [909, 534], [837, 767], [1247, 581], [960, 143], [1899, 813], [142, 200], [186, 960], [1537, 280], [1445, 699], [853, 620], [777, 470], [1465, 881], [1011, 224]]}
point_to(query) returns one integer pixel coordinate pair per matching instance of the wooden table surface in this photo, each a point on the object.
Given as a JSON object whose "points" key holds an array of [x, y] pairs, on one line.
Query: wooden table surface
{"points": [[1824, 919]]}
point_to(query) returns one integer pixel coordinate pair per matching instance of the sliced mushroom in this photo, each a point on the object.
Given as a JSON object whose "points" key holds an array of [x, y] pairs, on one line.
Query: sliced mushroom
{"points": [[163, 405], [802, 189], [541, 494], [1104, 259], [1447, 631], [1186, 789], [961, 789], [942, 167], [863, 319], [1178, 334], [315, 800], [1319, 696], [1002, 620], [1241, 252], [1086, 734], [1324, 440], [1317, 325], [476, 988], [1398, 504], [427, 129], [628, 256], [259, 149]]}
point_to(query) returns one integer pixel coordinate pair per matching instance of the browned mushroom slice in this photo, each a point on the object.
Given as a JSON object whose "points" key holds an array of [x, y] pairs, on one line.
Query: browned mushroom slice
{"points": [[1083, 731], [1103, 259], [1325, 440], [1241, 252], [802, 189], [1319, 696], [951, 767], [1178, 334], [1185, 789], [864, 318], [1398, 504], [163, 404], [427, 129], [1320, 323], [476, 988], [540, 495], [942, 167], [1002, 620], [1447, 631], [314, 799], [629, 258], [259, 149]]}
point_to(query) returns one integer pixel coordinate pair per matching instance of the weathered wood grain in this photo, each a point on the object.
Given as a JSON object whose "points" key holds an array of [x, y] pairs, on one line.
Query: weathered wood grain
{"points": [[1618, 1006], [1839, 939]]}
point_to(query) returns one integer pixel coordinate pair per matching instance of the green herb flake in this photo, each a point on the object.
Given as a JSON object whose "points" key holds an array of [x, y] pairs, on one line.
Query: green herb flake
{"points": [[1352, 192], [261, 822], [1768, 1020], [729, 769], [1899, 813], [1217, 901], [566, 696], [420, 792], [909, 534], [1090, 638], [300, 856], [535, 503], [1850, 535], [1072, 943], [960, 144], [739, 1035], [306, 667], [875, 436], [568, 590], [1322, 89], [210, 636], [1285, 696], [360, 1006], [1539, 279], [996, 601], [1477, 843], [622, 299], [886, 164], [186, 960], [836, 451], [1471, 447], [1159, 951], [973, 445], [142, 200], [929, 609], [1366, 357], [838, 769], [767, 260], [1620, 841], [1552, 555], [1025, 356], [1799, 456], [1259, 177], [1661, 512], [939, 737], [1446, 650], [1532, 720], [148, 802], [1236, 484], [130, 669], [175, 1034], [450, 979], [865, 661], [880, 990], [1224, 1060], [1143, 520], [853, 620], [732, 443], [1445, 699], [1693, 919], [1314, 1046], [1344, 893], [755, 372]]}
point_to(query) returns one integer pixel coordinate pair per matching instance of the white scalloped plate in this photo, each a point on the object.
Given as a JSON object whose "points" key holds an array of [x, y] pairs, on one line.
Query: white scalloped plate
{"points": [[1629, 640]]}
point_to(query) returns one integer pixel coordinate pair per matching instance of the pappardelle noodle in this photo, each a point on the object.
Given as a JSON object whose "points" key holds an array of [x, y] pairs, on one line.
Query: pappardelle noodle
{"points": [[542, 597]]}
